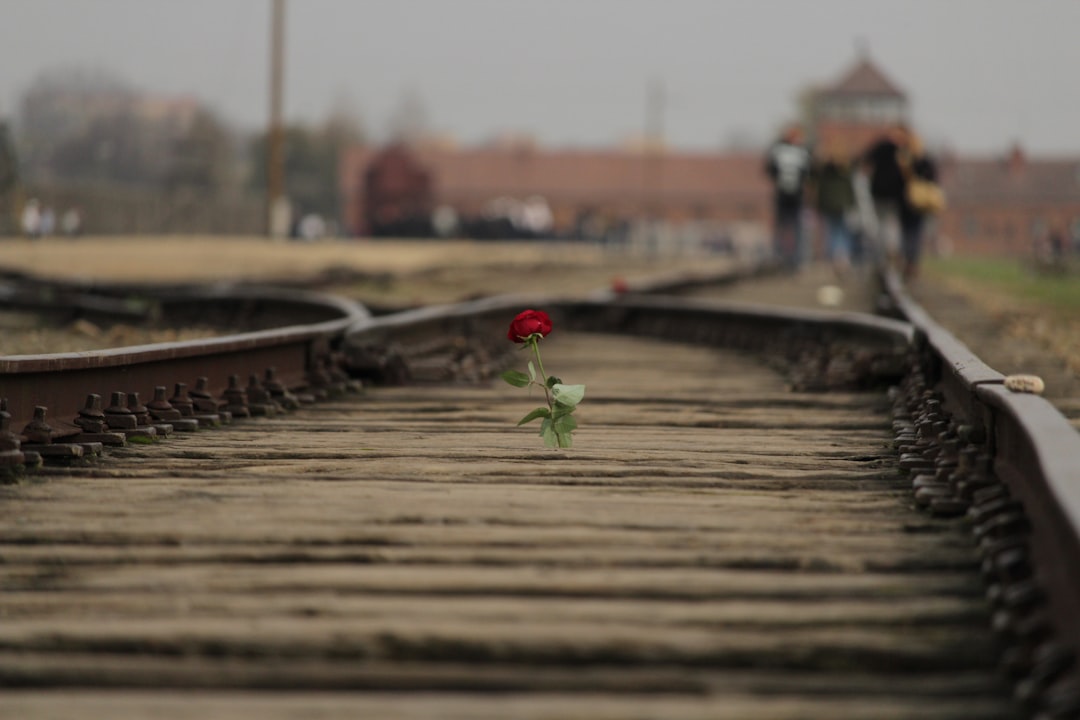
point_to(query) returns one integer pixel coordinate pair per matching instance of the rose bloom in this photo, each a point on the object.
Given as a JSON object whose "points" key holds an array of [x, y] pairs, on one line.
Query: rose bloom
{"points": [[527, 323]]}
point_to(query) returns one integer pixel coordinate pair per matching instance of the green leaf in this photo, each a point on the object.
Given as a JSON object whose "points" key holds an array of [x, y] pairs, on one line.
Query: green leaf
{"points": [[532, 371], [560, 410], [515, 378], [547, 432], [540, 412], [564, 425], [553, 381], [564, 439], [569, 395]]}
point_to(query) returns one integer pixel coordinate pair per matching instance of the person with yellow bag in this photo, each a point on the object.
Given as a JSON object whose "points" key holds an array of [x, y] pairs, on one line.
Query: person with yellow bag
{"points": [[923, 198]]}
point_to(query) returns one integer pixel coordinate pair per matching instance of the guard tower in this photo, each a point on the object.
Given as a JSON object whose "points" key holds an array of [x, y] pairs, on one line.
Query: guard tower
{"points": [[855, 110]]}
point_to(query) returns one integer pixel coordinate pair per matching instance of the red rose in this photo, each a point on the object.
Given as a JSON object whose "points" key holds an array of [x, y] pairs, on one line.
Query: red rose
{"points": [[528, 323]]}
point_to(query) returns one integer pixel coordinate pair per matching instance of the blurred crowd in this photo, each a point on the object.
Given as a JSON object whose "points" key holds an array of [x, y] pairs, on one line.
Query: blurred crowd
{"points": [[40, 220], [875, 204]]}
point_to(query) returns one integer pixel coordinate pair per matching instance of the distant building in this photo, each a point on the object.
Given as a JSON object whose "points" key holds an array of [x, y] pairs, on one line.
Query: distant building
{"points": [[1005, 205], [1009, 205], [606, 186]]}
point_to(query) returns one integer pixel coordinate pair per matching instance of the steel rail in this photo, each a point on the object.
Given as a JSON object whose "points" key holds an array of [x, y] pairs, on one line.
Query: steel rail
{"points": [[1008, 461], [300, 333], [971, 446], [383, 348], [297, 335], [1011, 461]]}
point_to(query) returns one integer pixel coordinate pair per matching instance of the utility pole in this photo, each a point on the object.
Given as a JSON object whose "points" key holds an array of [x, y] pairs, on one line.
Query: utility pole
{"points": [[277, 204]]}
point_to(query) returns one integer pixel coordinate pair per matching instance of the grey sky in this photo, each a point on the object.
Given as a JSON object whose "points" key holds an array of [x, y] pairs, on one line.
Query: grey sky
{"points": [[979, 73]]}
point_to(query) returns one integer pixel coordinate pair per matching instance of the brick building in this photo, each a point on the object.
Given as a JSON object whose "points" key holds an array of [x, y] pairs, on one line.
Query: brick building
{"points": [[613, 185], [1005, 205], [1009, 205]]}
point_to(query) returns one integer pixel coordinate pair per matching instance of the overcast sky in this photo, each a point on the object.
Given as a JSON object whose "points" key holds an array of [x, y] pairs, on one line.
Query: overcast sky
{"points": [[980, 74]]}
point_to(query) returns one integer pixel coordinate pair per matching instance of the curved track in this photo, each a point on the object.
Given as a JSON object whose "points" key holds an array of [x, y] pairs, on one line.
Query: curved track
{"points": [[275, 347], [969, 449]]}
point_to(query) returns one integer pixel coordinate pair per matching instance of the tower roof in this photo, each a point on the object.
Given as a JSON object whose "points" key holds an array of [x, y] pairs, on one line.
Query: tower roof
{"points": [[865, 78]]}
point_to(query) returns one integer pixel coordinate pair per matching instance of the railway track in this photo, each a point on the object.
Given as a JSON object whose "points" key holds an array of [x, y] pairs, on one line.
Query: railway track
{"points": [[734, 537]]}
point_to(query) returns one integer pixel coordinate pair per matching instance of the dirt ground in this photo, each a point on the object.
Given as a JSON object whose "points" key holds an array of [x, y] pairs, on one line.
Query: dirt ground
{"points": [[398, 272], [384, 275], [1010, 336]]}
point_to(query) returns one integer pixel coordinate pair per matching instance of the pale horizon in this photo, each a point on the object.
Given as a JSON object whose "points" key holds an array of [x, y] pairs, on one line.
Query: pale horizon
{"points": [[980, 75]]}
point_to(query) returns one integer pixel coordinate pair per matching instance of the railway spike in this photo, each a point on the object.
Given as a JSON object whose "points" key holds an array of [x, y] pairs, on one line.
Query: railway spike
{"points": [[143, 418], [206, 405], [37, 431], [120, 417], [183, 402], [11, 455], [236, 401], [91, 418], [38, 436], [142, 415], [318, 381], [117, 414], [258, 398], [278, 391], [165, 412]]}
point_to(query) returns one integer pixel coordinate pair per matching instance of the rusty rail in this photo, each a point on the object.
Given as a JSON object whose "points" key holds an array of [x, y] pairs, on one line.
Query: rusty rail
{"points": [[1007, 461], [1011, 462], [301, 332], [857, 349]]}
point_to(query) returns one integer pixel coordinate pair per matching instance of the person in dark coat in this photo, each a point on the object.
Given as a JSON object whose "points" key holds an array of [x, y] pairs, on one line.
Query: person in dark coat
{"points": [[887, 188]]}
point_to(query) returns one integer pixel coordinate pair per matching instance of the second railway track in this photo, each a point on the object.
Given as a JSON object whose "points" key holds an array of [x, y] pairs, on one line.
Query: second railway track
{"points": [[736, 535]]}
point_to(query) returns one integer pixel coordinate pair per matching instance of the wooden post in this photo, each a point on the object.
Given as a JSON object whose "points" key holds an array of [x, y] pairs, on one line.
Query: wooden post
{"points": [[276, 202]]}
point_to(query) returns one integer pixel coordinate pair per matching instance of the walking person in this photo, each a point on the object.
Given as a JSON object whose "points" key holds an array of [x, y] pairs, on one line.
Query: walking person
{"points": [[887, 188], [922, 199], [835, 202], [788, 166], [31, 219]]}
